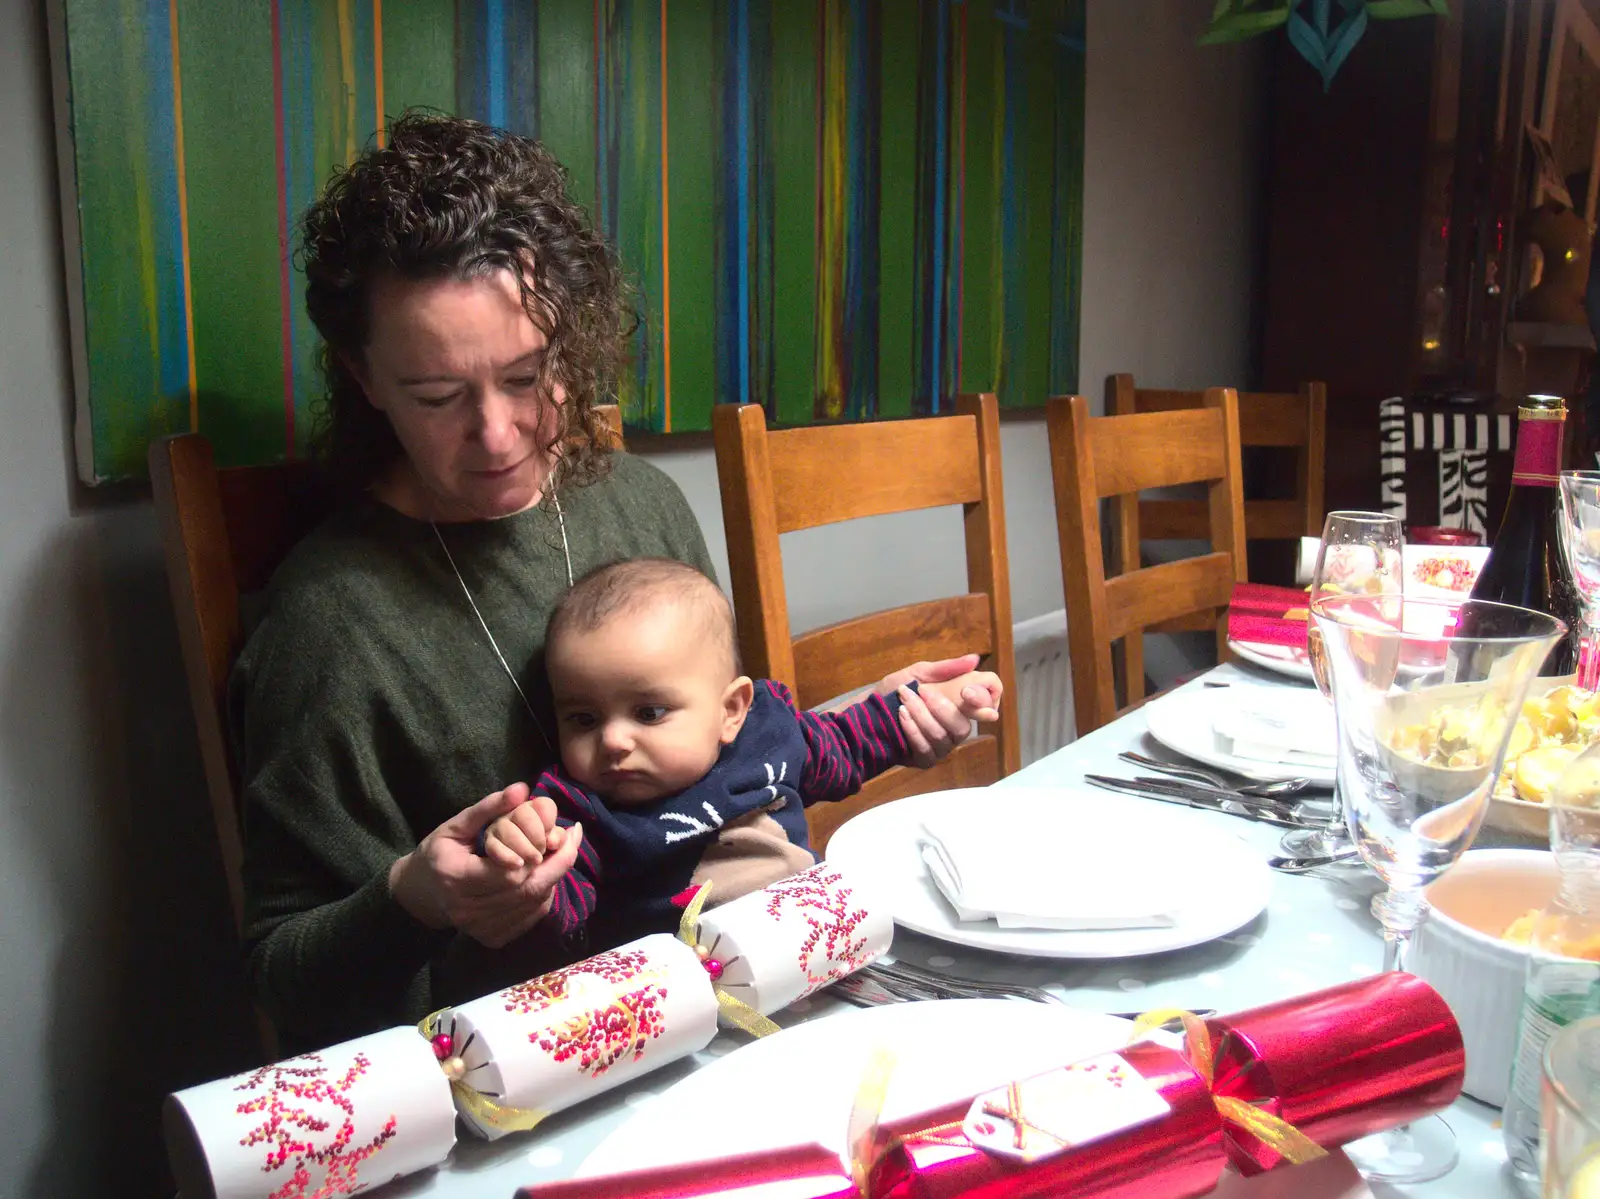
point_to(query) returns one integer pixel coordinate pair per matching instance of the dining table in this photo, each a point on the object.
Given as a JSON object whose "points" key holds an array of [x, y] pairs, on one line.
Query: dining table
{"points": [[1316, 931]]}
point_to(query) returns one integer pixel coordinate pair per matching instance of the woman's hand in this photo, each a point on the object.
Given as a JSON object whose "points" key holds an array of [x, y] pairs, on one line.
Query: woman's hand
{"points": [[444, 884], [932, 724]]}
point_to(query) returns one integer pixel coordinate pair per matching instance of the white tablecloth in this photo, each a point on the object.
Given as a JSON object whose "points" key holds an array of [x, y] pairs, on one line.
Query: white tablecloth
{"points": [[1316, 932]]}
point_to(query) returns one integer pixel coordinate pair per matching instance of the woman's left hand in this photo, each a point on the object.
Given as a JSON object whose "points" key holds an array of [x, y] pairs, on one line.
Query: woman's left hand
{"points": [[932, 724]]}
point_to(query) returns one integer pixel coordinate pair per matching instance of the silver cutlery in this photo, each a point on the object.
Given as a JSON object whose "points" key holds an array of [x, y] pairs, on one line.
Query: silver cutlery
{"points": [[1205, 798], [1288, 865], [1261, 788], [903, 981]]}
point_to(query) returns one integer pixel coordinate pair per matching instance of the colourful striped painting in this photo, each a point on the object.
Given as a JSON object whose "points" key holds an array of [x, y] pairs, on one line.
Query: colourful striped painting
{"points": [[838, 209]]}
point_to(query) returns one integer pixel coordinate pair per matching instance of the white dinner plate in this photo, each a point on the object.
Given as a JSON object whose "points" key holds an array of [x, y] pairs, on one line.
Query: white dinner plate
{"points": [[1182, 722], [796, 1086], [1288, 660], [1230, 885]]}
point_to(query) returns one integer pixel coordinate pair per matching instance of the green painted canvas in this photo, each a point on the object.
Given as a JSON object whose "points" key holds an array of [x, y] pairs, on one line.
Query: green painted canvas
{"points": [[840, 209]]}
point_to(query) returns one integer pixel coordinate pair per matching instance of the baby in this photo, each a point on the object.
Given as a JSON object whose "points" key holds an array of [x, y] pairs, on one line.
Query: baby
{"points": [[676, 769]]}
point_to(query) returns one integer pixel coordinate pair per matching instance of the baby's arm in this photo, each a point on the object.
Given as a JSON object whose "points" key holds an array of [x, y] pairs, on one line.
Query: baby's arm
{"points": [[521, 838], [846, 748], [572, 902], [976, 694]]}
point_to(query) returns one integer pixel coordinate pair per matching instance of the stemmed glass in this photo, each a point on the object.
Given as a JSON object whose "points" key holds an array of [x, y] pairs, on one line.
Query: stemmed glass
{"points": [[1425, 695], [1580, 538], [1361, 554]]}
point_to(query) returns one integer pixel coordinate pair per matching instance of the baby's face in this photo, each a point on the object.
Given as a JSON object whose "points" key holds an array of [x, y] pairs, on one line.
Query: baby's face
{"points": [[642, 704]]}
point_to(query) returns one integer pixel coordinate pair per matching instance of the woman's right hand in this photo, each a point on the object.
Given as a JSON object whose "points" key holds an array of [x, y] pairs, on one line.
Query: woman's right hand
{"points": [[443, 883]]}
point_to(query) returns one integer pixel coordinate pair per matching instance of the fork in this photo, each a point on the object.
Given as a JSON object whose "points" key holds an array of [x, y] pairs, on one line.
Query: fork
{"points": [[898, 975], [1281, 788], [1207, 799]]}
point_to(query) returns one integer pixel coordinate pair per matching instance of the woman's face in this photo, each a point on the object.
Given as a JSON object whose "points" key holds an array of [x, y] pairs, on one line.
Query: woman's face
{"points": [[455, 364]]}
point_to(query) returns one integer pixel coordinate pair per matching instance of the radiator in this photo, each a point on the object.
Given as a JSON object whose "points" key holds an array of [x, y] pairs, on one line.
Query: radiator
{"points": [[1044, 685]]}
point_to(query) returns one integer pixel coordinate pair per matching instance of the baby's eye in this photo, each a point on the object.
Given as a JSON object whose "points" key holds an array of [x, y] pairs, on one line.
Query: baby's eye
{"points": [[580, 721], [651, 713]]}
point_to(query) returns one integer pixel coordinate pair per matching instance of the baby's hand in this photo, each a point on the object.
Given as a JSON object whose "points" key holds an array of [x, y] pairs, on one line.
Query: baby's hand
{"points": [[523, 836], [977, 694]]}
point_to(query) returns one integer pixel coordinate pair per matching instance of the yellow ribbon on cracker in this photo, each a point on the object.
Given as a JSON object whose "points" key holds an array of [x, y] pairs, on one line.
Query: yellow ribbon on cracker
{"points": [[737, 1012], [474, 1102], [1276, 1133]]}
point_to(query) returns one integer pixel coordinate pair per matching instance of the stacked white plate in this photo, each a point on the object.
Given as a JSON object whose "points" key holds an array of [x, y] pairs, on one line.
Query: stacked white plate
{"points": [[1257, 732]]}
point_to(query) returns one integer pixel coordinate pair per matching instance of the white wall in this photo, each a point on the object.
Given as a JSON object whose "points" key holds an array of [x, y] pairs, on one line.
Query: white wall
{"points": [[117, 975], [1170, 179]]}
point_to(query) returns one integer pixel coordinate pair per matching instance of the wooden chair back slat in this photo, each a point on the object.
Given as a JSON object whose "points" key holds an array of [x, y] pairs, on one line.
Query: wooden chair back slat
{"points": [[832, 660], [1189, 520], [1159, 450], [777, 481], [1282, 420], [1086, 459], [1166, 592], [826, 474]]}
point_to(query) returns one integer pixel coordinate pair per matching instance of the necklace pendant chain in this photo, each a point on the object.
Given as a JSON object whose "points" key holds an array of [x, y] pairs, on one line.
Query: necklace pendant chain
{"points": [[566, 553]]}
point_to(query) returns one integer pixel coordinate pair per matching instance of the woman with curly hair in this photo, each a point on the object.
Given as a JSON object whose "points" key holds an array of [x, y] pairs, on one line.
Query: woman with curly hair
{"points": [[471, 321]]}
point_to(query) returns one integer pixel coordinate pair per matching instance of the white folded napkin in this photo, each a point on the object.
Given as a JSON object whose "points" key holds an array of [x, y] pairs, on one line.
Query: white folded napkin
{"points": [[1282, 725], [1054, 879]]}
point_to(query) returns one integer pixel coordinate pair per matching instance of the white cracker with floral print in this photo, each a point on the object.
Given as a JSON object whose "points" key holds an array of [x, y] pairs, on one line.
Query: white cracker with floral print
{"points": [[782, 943], [558, 1039], [351, 1117]]}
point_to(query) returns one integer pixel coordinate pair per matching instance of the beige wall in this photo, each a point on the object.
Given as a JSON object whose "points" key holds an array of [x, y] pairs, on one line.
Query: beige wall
{"points": [[117, 976]]}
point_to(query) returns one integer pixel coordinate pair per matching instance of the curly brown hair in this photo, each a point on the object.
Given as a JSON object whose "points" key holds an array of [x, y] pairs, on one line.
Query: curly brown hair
{"points": [[452, 198]]}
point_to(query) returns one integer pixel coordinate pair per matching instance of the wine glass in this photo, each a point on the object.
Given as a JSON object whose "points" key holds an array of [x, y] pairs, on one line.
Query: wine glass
{"points": [[1361, 554], [1425, 695], [1580, 538]]}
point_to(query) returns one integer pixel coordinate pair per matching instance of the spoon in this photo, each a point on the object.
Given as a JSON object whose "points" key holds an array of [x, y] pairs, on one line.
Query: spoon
{"points": [[1287, 865], [1267, 789]]}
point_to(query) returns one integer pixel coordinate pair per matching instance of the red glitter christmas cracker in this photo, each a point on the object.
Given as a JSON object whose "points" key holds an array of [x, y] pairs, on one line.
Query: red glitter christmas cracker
{"points": [[1175, 1156], [1339, 1064], [1334, 1065]]}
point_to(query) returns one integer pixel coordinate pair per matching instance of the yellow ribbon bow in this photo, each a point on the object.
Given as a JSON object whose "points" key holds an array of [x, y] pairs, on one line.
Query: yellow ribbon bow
{"points": [[737, 1012], [1277, 1134], [468, 1099]]}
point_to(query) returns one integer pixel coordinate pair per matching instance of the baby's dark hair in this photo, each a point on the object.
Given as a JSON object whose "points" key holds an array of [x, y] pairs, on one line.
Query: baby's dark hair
{"points": [[638, 585]]}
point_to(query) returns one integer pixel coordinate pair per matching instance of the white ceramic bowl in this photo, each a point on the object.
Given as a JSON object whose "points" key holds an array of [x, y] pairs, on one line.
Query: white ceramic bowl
{"points": [[1459, 951]]}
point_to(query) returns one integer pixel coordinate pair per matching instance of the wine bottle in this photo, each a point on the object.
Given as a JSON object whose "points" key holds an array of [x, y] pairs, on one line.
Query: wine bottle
{"points": [[1526, 564]]}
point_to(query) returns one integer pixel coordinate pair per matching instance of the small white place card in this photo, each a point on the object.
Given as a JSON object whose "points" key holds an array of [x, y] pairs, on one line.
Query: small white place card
{"points": [[1039, 1117]]}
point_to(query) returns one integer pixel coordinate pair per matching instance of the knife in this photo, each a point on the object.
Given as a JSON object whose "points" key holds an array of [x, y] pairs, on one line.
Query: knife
{"points": [[1191, 797]]}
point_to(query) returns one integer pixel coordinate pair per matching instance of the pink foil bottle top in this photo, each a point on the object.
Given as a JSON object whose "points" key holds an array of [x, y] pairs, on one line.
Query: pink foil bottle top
{"points": [[1540, 423]]}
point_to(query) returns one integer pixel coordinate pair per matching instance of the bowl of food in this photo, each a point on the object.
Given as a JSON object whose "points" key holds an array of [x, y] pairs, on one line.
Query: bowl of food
{"points": [[1473, 950], [1558, 722], [1431, 742]]}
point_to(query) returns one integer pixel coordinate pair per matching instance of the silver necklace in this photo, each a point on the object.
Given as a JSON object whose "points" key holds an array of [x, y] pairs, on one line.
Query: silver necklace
{"points": [[566, 552]]}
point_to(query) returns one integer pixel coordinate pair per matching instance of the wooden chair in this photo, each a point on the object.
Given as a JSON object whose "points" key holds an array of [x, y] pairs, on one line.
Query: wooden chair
{"points": [[779, 481], [1283, 420], [1095, 458], [224, 532]]}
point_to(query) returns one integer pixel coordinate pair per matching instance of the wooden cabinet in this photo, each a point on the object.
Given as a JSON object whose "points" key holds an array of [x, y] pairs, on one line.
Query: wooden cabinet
{"points": [[1391, 205]]}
